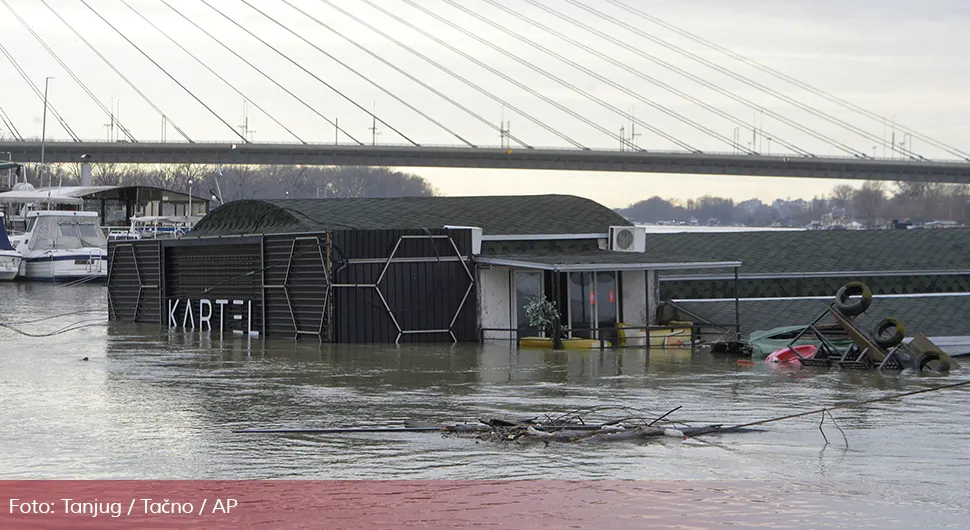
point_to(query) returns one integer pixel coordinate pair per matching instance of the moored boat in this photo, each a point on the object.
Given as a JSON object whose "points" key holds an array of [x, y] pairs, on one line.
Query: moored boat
{"points": [[62, 245]]}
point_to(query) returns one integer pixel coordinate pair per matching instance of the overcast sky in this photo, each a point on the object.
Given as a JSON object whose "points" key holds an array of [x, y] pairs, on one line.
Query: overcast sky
{"points": [[902, 60]]}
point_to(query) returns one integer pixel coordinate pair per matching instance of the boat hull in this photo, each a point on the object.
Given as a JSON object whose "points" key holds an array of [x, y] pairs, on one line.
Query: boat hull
{"points": [[66, 266], [9, 265]]}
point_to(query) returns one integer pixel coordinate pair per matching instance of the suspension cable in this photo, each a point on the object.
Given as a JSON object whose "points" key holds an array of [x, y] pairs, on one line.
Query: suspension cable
{"points": [[550, 76], [263, 73], [213, 72], [170, 76], [67, 69], [848, 149], [602, 79], [8, 123], [328, 85], [729, 73], [399, 70], [437, 65], [634, 71], [112, 66], [490, 69], [801, 84], [39, 94]]}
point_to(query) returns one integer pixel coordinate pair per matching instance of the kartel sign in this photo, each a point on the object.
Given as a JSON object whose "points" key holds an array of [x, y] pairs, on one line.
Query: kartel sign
{"points": [[229, 312]]}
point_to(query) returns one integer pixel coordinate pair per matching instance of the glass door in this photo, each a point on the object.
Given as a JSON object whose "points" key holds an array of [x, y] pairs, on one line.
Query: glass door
{"points": [[582, 298], [605, 304], [593, 302], [528, 285]]}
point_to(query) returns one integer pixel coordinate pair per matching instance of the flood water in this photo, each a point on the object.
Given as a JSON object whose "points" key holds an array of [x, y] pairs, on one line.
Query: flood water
{"points": [[154, 404]]}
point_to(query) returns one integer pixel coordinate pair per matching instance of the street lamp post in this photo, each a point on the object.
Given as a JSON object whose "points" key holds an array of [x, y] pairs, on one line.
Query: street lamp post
{"points": [[43, 127], [190, 198]]}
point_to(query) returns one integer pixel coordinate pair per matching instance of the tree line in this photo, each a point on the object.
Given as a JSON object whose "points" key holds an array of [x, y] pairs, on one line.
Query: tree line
{"points": [[243, 182], [873, 203]]}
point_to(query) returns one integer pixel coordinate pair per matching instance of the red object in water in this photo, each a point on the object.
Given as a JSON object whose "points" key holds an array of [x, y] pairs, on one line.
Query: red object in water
{"points": [[787, 355]]}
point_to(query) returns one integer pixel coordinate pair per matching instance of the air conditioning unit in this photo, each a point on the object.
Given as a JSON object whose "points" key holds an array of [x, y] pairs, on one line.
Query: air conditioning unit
{"points": [[628, 239]]}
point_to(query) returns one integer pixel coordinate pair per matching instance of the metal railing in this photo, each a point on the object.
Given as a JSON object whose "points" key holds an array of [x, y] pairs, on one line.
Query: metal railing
{"points": [[605, 334], [633, 151]]}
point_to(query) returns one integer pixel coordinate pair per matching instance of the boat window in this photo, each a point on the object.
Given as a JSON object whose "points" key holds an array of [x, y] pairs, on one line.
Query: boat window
{"points": [[68, 229], [88, 229]]}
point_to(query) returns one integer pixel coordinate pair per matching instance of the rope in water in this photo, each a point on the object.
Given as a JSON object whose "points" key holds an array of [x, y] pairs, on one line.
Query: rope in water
{"points": [[836, 407]]}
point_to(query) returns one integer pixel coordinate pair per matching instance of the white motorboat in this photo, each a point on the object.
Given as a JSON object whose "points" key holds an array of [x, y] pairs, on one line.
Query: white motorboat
{"points": [[10, 259], [154, 227], [62, 245]]}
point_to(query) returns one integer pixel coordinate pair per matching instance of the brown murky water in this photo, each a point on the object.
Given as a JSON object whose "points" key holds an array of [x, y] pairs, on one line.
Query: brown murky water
{"points": [[153, 404]]}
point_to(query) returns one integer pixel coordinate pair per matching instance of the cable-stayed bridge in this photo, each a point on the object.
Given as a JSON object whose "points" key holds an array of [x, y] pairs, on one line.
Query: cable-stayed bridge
{"points": [[604, 86]]}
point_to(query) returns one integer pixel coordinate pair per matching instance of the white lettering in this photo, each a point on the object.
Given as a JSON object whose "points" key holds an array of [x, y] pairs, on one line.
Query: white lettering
{"points": [[204, 318], [171, 314], [188, 317], [221, 304]]}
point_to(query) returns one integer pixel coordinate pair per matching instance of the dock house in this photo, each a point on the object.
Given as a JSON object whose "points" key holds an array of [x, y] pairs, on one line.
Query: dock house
{"points": [[392, 270]]}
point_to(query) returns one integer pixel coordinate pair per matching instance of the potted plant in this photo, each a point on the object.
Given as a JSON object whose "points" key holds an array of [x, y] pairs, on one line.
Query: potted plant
{"points": [[542, 315]]}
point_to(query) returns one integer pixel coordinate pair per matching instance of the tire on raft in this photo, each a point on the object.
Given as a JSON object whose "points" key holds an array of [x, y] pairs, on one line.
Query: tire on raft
{"points": [[889, 341], [851, 308], [922, 362]]}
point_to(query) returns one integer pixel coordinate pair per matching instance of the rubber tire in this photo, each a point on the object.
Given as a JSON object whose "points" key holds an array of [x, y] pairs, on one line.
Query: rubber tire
{"points": [[930, 356], [851, 308], [893, 340]]}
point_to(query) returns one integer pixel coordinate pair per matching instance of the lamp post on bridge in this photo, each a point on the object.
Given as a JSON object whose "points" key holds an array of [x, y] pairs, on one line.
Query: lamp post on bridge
{"points": [[43, 127], [190, 199]]}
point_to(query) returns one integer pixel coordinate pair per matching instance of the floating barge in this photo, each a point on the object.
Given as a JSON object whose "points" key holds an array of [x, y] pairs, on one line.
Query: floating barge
{"points": [[418, 269]]}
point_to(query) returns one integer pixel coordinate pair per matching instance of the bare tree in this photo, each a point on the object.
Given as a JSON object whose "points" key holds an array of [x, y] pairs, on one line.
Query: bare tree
{"points": [[869, 199], [842, 194]]}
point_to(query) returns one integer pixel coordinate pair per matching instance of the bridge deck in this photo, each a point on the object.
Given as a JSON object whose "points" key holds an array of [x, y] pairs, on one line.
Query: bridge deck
{"points": [[497, 158]]}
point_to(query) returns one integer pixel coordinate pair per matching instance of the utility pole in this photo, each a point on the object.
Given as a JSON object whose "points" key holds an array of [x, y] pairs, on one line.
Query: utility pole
{"points": [[622, 138], [43, 127], [633, 131], [247, 133], [373, 128]]}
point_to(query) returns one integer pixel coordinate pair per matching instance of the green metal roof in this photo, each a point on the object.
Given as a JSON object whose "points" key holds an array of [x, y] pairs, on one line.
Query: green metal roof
{"points": [[820, 250], [496, 215], [932, 315]]}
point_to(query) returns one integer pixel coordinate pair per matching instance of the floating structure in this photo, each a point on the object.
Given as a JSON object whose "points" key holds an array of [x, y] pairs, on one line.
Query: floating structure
{"points": [[395, 269], [921, 277], [115, 205]]}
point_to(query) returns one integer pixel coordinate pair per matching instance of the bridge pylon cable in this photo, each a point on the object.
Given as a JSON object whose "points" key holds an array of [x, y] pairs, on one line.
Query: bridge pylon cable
{"points": [[166, 72], [39, 93], [559, 80], [115, 70], [213, 72], [402, 72], [493, 70], [440, 67], [8, 123], [791, 123], [261, 71], [589, 49], [754, 84], [308, 72], [68, 70], [588, 71], [345, 65], [801, 84]]}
